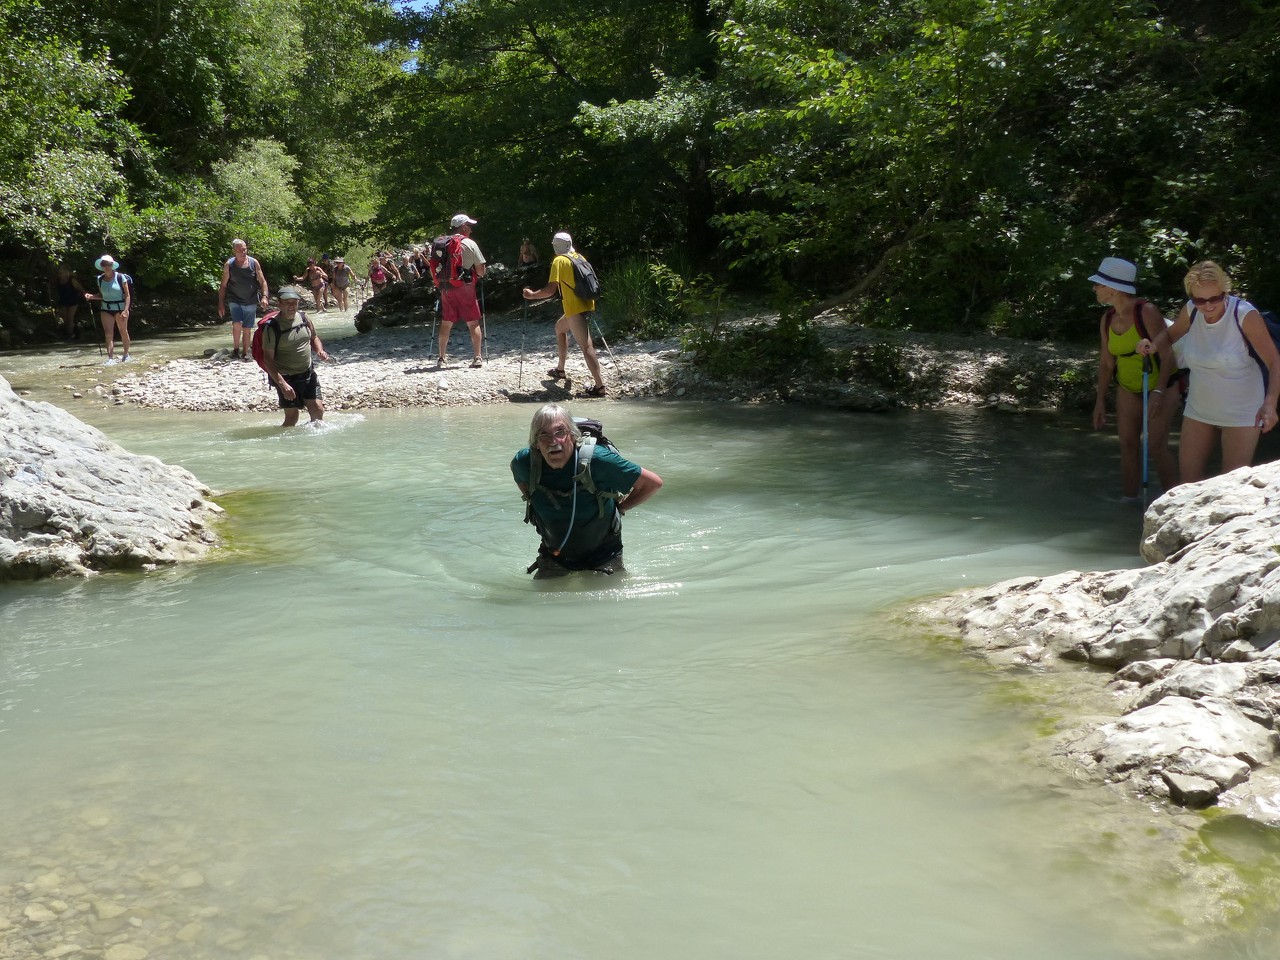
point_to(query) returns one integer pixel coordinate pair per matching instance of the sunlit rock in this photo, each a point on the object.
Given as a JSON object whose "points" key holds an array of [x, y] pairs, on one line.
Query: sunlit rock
{"points": [[74, 502], [1194, 637]]}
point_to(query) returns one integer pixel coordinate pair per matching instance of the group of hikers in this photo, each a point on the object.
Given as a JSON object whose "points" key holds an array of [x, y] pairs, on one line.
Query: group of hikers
{"points": [[1218, 354]]}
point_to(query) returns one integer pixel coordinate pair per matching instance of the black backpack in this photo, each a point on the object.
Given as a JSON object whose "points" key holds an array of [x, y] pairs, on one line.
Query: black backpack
{"points": [[585, 282]]}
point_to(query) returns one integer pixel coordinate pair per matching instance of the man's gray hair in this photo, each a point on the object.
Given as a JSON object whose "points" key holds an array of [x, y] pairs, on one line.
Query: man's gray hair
{"points": [[547, 417]]}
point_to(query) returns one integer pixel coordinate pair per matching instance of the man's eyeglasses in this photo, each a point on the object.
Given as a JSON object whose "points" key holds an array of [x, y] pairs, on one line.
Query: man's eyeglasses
{"points": [[559, 433], [1204, 301]]}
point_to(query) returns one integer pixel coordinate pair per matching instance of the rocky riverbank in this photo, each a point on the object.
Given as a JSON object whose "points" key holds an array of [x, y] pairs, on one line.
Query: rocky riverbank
{"points": [[1191, 706]]}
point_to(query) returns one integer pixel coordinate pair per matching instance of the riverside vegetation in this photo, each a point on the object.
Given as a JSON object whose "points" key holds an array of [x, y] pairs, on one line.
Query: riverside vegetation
{"points": [[940, 165]]}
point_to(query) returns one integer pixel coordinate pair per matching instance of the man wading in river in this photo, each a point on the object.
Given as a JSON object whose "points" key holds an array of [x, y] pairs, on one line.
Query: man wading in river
{"points": [[577, 490], [288, 342]]}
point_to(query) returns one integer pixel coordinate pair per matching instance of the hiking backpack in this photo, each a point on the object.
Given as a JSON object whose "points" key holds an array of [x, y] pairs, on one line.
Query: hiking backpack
{"points": [[126, 283], [586, 285], [592, 437], [1269, 320], [256, 343], [446, 261]]}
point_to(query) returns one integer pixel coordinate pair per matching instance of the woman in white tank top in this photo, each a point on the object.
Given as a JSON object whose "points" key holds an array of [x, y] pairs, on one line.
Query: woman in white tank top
{"points": [[1225, 396]]}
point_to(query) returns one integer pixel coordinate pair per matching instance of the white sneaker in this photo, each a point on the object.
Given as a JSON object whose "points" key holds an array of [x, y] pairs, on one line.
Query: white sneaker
{"points": [[110, 362]]}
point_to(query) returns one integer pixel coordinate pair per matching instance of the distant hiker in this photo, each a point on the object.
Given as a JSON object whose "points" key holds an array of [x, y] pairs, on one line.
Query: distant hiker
{"points": [[378, 276], [577, 488], [457, 266], [316, 279], [288, 345], [1226, 396], [1127, 320], [243, 289], [67, 295], [115, 290], [574, 318], [326, 264], [528, 254], [342, 277], [408, 268]]}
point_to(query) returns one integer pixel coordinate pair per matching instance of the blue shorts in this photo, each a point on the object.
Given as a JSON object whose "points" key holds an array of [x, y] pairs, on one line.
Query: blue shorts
{"points": [[245, 314]]}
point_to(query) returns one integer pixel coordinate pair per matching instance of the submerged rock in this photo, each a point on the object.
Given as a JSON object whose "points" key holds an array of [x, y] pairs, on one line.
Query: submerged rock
{"points": [[1194, 638], [74, 502]]}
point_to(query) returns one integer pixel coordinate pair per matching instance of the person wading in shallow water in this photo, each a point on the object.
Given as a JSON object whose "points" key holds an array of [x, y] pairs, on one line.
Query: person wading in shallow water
{"points": [[577, 491], [288, 344], [115, 290], [1126, 321]]}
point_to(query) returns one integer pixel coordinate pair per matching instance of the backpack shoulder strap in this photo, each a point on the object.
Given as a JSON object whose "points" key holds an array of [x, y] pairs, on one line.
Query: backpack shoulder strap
{"points": [[1138, 306], [586, 451]]}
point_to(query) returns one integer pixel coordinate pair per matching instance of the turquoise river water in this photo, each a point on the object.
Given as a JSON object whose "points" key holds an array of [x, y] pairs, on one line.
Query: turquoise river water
{"points": [[361, 731]]}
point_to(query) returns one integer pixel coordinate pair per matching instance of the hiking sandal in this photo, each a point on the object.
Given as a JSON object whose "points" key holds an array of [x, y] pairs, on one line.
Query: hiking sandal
{"points": [[596, 390], [477, 362], [557, 373]]}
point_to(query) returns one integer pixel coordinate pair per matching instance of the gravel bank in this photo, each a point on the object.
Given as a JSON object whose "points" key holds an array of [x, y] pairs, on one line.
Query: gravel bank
{"points": [[396, 367]]}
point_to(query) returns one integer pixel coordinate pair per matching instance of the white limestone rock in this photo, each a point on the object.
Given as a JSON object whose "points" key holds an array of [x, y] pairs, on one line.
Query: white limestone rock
{"points": [[74, 502], [1194, 637]]}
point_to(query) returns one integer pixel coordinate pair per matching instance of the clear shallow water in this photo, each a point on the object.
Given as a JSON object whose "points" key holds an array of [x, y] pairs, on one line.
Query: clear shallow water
{"points": [[368, 734]]}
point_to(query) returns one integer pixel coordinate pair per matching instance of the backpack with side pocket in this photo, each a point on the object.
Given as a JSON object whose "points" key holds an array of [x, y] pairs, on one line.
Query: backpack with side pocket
{"points": [[272, 319], [586, 285], [446, 261]]}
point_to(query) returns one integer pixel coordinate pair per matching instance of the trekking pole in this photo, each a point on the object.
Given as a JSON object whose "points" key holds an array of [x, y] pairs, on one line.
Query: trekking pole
{"points": [[524, 322], [436, 308], [1146, 383], [604, 341]]}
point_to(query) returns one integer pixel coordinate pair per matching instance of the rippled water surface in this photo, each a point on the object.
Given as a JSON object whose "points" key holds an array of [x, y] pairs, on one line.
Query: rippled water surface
{"points": [[363, 732]]}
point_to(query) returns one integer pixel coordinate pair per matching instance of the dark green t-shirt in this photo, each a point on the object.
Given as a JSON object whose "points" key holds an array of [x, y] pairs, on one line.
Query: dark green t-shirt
{"points": [[594, 538]]}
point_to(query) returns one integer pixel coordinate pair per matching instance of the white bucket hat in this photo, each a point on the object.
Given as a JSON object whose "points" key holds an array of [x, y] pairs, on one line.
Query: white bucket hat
{"points": [[562, 243], [1117, 274]]}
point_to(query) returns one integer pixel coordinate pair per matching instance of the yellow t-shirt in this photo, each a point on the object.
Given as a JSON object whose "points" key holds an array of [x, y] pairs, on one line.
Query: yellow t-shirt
{"points": [[562, 273]]}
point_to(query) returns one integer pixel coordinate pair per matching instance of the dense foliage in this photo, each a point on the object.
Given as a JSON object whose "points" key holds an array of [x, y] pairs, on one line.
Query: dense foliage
{"points": [[957, 164]]}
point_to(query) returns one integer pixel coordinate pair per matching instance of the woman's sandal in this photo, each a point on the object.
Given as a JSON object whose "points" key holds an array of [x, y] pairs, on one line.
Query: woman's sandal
{"points": [[596, 390], [556, 373]]}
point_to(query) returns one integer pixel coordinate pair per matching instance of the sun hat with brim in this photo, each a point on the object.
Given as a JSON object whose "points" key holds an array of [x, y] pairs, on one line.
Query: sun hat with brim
{"points": [[562, 243], [288, 293], [104, 261], [1117, 274]]}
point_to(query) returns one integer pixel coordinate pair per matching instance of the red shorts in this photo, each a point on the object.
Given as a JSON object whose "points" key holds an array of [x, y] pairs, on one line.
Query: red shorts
{"points": [[459, 304]]}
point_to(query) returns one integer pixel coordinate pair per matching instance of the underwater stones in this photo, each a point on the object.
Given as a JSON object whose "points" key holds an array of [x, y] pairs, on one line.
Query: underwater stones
{"points": [[1194, 638], [74, 502]]}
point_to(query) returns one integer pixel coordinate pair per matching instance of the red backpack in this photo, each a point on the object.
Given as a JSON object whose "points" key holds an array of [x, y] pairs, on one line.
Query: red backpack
{"points": [[446, 261], [270, 318]]}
